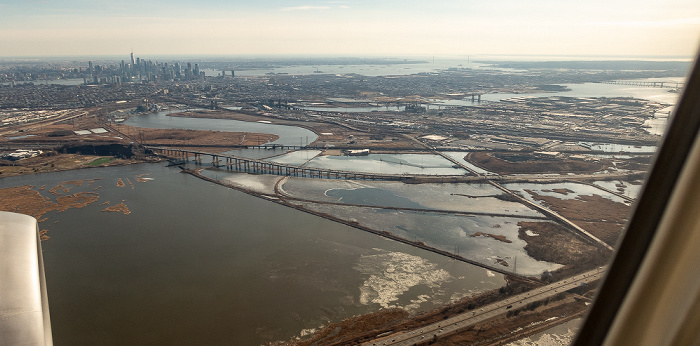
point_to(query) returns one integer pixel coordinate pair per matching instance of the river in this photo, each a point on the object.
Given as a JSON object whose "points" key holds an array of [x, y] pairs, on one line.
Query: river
{"points": [[288, 135], [661, 95], [199, 263]]}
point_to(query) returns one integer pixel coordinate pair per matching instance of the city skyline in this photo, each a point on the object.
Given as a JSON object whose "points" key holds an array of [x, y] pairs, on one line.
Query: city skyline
{"points": [[542, 27]]}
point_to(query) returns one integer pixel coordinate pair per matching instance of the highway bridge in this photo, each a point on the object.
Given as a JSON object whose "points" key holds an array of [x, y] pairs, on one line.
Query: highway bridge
{"points": [[666, 84], [248, 165]]}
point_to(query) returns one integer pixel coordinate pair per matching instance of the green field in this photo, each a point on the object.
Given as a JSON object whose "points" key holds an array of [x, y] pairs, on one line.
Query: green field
{"points": [[101, 161]]}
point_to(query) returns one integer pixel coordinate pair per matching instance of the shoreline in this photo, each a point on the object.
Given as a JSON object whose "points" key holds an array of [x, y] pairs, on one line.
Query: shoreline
{"points": [[509, 277], [488, 331], [417, 244], [42, 168], [535, 246]]}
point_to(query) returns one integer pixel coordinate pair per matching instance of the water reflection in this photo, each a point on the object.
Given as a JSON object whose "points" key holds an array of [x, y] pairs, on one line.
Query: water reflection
{"points": [[465, 235], [564, 191], [389, 164], [299, 157], [195, 260], [474, 198], [371, 196]]}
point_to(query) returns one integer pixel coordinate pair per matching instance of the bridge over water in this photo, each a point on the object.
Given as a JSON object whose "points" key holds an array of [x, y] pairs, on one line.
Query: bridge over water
{"points": [[666, 84], [248, 165]]}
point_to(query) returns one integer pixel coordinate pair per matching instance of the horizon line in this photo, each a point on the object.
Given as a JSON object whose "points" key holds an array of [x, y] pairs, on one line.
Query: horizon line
{"points": [[384, 56]]}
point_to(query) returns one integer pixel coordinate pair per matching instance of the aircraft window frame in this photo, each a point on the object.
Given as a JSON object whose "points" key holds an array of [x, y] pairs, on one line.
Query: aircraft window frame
{"points": [[671, 158]]}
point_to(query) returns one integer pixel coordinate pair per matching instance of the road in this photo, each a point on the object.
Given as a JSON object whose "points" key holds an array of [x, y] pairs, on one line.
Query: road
{"points": [[542, 177], [535, 178], [553, 215], [484, 313]]}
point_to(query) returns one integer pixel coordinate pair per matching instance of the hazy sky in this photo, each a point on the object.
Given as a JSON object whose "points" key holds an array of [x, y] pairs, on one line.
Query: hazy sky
{"points": [[363, 27]]}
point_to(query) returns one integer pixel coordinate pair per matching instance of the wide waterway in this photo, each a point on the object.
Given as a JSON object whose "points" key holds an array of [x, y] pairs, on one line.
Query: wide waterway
{"points": [[199, 263], [583, 90], [288, 135]]}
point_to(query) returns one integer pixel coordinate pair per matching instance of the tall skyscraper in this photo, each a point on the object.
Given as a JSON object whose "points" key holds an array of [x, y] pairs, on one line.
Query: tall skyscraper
{"points": [[133, 62]]}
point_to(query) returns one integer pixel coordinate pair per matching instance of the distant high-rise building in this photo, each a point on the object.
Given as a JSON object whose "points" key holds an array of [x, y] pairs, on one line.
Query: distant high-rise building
{"points": [[233, 74], [133, 62], [178, 70]]}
